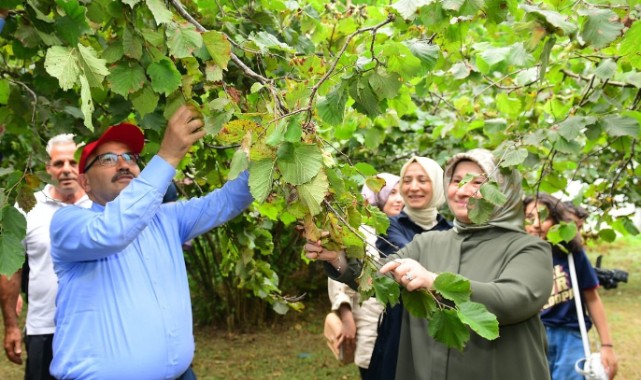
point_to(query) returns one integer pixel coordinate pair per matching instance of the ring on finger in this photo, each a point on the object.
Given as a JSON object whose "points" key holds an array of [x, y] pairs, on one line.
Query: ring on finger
{"points": [[408, 277]]}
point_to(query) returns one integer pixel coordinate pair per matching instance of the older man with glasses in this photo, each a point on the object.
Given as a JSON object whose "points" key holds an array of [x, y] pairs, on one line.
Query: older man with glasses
{"points": [[124, 310]]}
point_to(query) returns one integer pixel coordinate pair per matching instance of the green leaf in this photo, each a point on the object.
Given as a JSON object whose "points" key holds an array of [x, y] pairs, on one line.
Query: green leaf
{"points": [[131, 43], [367, 169], [401, 60], [13, 222], [426, 52], [218, 47], [491, 55], [261, 177], [407, 8], [554, 234], [5, 90], [183, 41], [366, 280], [162, 15], [239, 162], [131, 3], [479, 319], [514, 157], [280, 307], [266, 42], [11, 253], [563, 145], [385, 85], [332, 107], [86, 102], [508, 105], [62, 64], [460, 70], [277, 134], [294, 130], [567, 231], [418, 303], [113, 52], [608, 235], [453, 287], [446, 327], [364, 97], [519, 56], [572, 127], [387, 290], [479, 210], [165, 78], [463, 6], [94, 68], [298, 163], [527, 76], [73, 24], [601, 27], [492, 194], [606, 70], [554, 20], [313, 193], [497, 10], [630, 43], [545, 56], [127, 77], [620, 126], [145, 100]]}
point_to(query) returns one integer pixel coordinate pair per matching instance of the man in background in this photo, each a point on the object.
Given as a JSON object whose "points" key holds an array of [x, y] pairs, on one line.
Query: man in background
{"points": [[63, 190]]}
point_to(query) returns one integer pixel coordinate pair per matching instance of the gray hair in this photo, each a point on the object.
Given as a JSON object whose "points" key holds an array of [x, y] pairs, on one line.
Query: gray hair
{"points": [[64, 138]]}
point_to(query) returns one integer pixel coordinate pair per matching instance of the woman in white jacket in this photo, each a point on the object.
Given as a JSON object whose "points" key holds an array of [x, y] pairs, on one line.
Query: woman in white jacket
{"points": [[360, 321]]}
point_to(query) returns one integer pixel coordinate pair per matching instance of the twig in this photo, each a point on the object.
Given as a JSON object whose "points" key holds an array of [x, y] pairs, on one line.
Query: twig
{"points": [[329, 72], [621, 170], [243, 67], [587, 79]]}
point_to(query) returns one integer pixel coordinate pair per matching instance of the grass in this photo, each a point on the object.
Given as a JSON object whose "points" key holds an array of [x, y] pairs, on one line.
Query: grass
{"points": [[623, 304], [295, 348]]}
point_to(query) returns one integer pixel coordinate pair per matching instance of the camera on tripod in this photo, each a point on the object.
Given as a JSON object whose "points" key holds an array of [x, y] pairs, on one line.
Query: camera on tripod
{"points": [[609, 278]]}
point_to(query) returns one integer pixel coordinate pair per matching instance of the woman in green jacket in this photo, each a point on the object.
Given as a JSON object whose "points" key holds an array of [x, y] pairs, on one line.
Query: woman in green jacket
{"points": [[510, 273]]}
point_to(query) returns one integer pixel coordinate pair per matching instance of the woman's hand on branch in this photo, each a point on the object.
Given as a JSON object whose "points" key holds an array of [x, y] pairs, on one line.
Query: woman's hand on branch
{"points": [[410, 274], [314, 250]]}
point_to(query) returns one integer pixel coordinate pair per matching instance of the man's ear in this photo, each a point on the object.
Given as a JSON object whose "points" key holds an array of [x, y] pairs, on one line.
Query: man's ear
{"points": [[83, 180]]}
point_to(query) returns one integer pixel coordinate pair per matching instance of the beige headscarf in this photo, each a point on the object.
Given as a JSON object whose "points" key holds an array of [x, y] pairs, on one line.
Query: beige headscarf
{"points": [[426, 217], [509, 216]]}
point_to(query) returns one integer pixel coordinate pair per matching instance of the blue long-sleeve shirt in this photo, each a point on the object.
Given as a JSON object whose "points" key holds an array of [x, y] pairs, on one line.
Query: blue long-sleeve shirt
{"points": [[123, 305]]}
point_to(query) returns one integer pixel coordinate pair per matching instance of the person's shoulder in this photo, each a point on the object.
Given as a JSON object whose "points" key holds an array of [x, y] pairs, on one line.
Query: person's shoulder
{"points": [[442, 223], [399, 217], [399, 221], [524, 240]]}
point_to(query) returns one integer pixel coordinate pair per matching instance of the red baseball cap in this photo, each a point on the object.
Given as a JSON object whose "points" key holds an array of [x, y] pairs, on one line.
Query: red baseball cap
{"points": [[124, 132]]}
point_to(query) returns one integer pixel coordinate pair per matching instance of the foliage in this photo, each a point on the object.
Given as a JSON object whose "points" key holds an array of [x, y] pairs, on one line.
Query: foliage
{"points": [[315, 89], [448, 308]]}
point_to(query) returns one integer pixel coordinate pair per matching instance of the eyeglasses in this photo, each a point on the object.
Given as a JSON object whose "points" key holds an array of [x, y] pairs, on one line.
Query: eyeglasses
{"points": [[111, 159]]}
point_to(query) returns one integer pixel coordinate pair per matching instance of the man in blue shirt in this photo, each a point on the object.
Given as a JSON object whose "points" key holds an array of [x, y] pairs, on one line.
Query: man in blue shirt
{"points": [[124, 310]]}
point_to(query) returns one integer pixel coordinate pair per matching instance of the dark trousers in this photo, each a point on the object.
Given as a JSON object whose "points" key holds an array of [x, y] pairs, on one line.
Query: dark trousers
{"points": [[39, 355], [188, 375]]}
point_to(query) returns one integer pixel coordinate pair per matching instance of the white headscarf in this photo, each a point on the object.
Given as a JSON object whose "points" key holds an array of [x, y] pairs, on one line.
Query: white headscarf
{"points": [[426, 217]]}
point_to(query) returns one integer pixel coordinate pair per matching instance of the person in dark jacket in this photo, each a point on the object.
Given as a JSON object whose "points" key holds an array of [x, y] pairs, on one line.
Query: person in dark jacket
{"points": [[421, 187]]}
